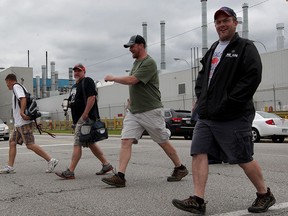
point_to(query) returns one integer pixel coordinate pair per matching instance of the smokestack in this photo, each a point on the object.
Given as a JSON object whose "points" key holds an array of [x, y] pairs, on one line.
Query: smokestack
{"points": [[144, 26], [239, 26], [56, 80], [38, 87], [280, 36], [245, 32], [163, 63], [70, 77], [52, 76], [204, 27], [44, 78]]}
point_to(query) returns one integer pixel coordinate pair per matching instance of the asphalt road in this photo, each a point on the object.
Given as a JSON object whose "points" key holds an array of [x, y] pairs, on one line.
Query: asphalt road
{"points": [[31, 191]]}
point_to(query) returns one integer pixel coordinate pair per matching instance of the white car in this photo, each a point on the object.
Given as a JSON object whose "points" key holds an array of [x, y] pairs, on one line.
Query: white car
{"points": [[4, 130], [269, 125]]}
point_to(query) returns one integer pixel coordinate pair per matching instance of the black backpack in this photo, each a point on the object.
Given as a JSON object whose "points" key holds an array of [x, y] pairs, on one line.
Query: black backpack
{"points": [[31, 109]]}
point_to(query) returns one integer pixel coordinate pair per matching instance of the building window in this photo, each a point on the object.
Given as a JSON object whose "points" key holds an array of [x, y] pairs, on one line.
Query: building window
{"points": [[181, 88]]}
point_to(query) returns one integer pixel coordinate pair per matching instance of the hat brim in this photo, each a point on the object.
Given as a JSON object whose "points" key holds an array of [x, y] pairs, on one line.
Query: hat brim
{"points": [[79, 68], [128, 45], [221, 12]]}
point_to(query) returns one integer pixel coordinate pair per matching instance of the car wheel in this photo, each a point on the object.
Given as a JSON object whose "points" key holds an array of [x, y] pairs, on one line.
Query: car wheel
{"points": [[6, 138], [278, 139], [255, 135]]}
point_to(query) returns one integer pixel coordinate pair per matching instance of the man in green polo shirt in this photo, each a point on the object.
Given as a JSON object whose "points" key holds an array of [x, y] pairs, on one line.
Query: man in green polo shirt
{"points": [[145, 112]]}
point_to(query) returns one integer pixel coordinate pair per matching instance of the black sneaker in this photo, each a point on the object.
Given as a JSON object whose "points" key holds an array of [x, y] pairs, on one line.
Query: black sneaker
{"points": [[67, 174], [262, 202], [177, 175], [105, 169], [190, 205], [114, 180]]}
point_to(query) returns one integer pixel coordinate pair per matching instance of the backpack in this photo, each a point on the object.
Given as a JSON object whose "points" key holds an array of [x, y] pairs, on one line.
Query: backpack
{"points": [[31, 109]]}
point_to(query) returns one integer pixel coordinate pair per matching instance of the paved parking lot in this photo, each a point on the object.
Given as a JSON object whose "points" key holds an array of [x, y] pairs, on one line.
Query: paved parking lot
{"points": [[33, 192]]}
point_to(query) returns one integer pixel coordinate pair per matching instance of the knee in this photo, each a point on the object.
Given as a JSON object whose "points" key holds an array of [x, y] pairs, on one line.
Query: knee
{"points": [[126, 143]]}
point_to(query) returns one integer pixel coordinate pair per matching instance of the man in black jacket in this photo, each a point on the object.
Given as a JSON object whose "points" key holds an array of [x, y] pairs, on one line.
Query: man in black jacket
{"points": [[224, 88]]}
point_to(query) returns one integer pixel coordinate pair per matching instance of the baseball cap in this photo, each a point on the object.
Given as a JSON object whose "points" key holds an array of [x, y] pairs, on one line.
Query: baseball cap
{"points": [[135, 39], [80, 67], [227, 11]]}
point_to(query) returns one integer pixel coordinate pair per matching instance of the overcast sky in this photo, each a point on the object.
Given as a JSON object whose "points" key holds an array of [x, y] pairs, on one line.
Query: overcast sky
{"points": [[93, 31]]}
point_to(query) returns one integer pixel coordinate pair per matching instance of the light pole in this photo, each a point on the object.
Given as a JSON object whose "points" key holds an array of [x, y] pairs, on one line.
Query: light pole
{"points": [[189, 66]]}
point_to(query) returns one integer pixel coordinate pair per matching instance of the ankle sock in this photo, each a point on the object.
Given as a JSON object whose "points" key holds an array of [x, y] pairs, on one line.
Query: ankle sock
{"points": [[121, 175]]}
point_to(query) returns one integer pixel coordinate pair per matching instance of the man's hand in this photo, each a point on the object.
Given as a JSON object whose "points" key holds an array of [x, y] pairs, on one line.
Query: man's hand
{"points": [[109, 78], [25, 117]]}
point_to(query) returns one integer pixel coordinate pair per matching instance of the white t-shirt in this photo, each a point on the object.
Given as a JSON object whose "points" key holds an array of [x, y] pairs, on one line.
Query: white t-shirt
{"points": [[18, 120], [216, 57]]}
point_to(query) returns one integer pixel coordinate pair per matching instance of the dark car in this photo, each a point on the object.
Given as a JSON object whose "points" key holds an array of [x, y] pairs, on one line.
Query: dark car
{"points": [[178, 122]]}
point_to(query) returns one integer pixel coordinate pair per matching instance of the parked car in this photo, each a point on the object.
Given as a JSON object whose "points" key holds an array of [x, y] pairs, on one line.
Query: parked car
{"points": [[269, 125], [4, 130], [178, 122]]}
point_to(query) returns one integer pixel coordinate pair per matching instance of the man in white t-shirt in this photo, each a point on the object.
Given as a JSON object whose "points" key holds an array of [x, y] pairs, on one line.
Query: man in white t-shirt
{"points": [[23, 128]]}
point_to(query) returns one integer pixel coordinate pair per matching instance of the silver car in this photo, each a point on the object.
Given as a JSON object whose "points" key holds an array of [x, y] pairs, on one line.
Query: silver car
{"points": [[269, 125], [4, 130]]}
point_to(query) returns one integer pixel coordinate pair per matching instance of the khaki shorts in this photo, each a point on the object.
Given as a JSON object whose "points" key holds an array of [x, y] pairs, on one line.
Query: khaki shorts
{"points": [[23, 134], [77, 133], [152, 121]]}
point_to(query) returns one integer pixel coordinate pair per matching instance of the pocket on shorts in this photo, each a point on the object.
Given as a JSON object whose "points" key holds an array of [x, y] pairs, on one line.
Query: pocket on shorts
{"points": [[243, 148]]}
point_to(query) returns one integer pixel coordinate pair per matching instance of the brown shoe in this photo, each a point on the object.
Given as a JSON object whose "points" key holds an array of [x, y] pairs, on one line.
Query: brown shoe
{"points": [[177, 175], [114, 181], [262, 202], [190, 205]]}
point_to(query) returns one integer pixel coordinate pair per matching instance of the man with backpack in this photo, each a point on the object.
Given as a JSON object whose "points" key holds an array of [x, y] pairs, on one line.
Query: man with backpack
{"points": [[23, 128]]}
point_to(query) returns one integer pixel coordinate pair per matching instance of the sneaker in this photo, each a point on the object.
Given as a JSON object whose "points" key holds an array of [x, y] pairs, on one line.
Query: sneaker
{"points": [[51, 165], [115, 180], [7, 170], [67, 174], [105, 168], [177, 175], [190, 205], [262, 202]]}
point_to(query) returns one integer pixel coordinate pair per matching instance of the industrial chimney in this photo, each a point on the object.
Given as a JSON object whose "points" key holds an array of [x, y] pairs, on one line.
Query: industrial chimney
{"points": [[70, 77], [280, 36], [52, 76], [239, 26], [163, 63], [204, 27], [44, 78], [38, 87], [144, 26], [245, 32]]}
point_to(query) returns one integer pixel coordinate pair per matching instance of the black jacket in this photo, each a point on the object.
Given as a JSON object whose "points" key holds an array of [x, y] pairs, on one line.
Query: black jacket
{"points": [[234, 82]]}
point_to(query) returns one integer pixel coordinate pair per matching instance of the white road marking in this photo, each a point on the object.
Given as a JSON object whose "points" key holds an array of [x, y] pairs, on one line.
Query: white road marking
{"points": [[245, 212]]}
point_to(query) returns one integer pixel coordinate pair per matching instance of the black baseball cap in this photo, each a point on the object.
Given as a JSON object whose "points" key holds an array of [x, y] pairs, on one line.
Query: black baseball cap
{"points": [[227, 11], [135, 39]]}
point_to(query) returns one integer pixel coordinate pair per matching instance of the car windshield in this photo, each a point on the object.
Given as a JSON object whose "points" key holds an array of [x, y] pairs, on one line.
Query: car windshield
{"points": [[268, 115], [1, 122]]}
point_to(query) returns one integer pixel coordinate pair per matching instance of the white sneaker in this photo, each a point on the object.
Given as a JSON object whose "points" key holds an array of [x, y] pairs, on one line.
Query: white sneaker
{"points": [[51, 165], [7, 170]]}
